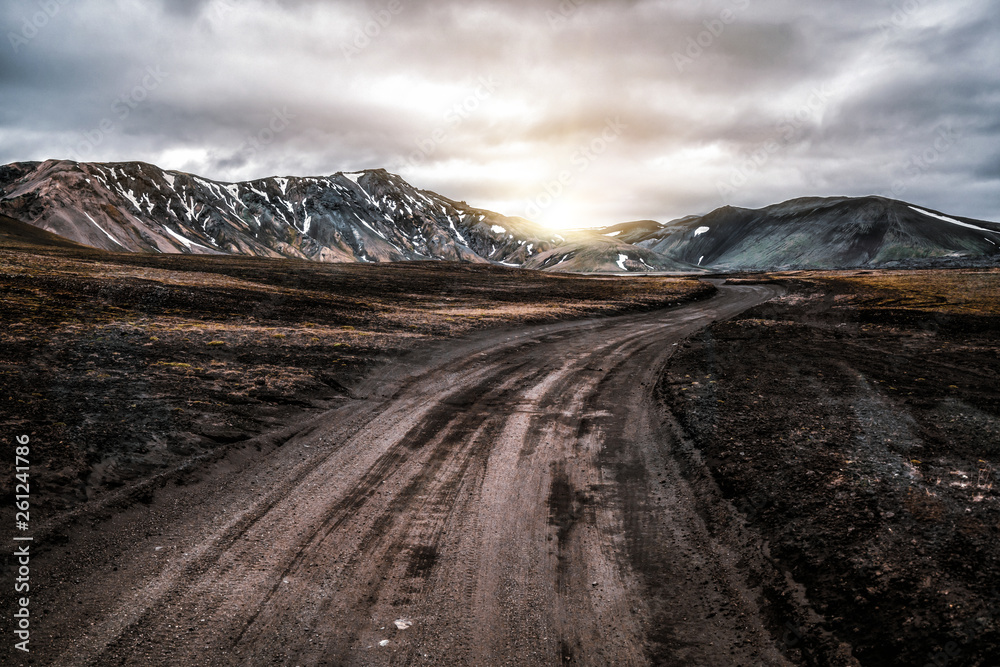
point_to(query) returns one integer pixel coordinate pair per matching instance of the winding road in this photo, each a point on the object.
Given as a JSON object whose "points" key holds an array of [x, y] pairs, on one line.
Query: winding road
{"points": [[508, 499]]}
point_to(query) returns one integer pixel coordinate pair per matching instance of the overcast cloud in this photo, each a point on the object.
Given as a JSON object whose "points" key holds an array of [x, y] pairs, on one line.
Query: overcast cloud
{"points": [[570, 113]]}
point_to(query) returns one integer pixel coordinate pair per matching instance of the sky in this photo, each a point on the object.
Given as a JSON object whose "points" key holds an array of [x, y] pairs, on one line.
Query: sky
{"points": [[568, 112]]}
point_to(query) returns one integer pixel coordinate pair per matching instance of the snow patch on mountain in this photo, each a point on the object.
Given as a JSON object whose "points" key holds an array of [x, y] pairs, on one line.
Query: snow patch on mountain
{"points": [[187, 242], [103, 230], [458, 234], [953, 221], [131, 197]]}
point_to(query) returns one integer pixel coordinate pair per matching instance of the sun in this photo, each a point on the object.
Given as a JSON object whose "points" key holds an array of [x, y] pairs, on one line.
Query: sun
{"points": [[567, 213]]}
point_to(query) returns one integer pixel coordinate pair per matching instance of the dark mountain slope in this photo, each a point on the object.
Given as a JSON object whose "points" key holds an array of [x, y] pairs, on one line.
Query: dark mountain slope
{"points": [[16, 233], [836, 232]]}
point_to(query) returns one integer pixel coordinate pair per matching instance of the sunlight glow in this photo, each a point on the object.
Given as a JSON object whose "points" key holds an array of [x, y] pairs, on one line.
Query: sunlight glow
{"points": [[566, 215]]}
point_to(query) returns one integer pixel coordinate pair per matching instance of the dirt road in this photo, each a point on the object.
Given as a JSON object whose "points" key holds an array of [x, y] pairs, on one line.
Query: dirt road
{"points": [[508, 500]]}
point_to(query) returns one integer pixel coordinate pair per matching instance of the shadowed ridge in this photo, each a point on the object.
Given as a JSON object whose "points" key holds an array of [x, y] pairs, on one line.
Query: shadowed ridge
{"points": [[16, 233]]}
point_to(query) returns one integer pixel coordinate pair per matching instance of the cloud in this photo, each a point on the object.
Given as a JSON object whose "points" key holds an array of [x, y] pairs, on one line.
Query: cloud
{"points": [[745, 102]]}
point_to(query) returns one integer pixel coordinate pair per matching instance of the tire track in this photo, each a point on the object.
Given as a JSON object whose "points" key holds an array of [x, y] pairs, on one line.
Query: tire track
{"points": [[121, 631], [516, 502], [445, 433]]}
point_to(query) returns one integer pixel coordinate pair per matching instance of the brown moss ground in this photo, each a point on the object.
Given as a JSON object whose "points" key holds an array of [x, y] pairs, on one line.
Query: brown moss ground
{"points": [[856, 425], [118, 365]]}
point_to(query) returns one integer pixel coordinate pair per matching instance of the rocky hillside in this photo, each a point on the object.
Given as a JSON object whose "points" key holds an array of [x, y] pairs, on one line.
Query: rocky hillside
{"points": [[818, 233], [375, 216], [368, 216]]}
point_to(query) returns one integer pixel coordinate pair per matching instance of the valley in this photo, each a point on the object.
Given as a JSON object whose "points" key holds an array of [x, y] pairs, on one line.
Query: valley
{"points": [[265, 460], [495, 500], [488, 334], [245, 460]]}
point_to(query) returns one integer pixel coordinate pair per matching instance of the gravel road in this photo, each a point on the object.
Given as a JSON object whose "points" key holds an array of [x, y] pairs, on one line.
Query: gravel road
{"points": [[508, 499]]}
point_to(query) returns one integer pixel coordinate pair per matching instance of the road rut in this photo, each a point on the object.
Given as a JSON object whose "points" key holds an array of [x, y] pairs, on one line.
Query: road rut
{"points": [[509, 499]]}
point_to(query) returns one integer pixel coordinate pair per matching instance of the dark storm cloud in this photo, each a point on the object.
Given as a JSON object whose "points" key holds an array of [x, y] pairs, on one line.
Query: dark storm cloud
{"points": [[626, 110]]}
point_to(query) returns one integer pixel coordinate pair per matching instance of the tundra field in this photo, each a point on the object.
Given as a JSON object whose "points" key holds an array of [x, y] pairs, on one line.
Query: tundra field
{"points": [[520, 468]]}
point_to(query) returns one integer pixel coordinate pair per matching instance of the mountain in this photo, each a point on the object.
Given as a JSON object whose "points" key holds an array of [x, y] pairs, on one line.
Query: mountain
{"points": [[588, 252], [367, 216], [818, 233], [375, 216]]}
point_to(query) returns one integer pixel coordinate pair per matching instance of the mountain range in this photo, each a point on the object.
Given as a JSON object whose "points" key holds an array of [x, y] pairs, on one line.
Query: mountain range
{"points": [[375, 216]]}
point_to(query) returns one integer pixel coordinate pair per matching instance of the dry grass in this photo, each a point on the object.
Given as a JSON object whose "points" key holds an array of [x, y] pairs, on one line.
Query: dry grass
{"points": [[141, 359], [952, 292]]}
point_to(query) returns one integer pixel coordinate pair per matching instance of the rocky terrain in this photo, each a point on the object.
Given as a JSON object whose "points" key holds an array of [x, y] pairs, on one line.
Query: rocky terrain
{"points": [[794, 468], [854, 428]]}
